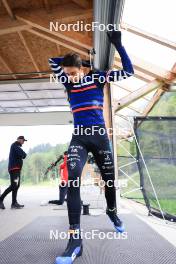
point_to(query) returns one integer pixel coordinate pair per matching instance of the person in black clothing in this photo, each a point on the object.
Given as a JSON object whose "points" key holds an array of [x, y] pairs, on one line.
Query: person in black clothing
{"points": [[16, 157]]}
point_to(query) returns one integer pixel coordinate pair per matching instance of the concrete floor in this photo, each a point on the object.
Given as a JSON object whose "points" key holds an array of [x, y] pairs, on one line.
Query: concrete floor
{"points": [[13, 220]]}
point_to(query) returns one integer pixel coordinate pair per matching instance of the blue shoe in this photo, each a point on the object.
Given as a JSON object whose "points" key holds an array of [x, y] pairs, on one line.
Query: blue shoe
{"points": [[73, 250], [118, 224]]}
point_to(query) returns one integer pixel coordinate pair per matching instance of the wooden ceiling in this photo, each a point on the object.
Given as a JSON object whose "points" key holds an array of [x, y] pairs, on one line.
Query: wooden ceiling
{"points": [[26, 41]]}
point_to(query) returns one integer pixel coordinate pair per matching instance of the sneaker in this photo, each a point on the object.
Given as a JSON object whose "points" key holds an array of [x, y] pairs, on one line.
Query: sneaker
{"points": [[2, 205], [73, 250], [118, 224], [17, 206], [57, 202]]}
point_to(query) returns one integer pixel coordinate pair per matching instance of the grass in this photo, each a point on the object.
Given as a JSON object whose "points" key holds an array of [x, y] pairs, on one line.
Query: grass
{"points": [[168, 206], [4, 182], [164, 179]]}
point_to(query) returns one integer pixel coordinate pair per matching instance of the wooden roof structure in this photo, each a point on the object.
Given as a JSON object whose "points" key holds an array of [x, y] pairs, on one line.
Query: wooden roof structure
{"points": [[26, 41]]}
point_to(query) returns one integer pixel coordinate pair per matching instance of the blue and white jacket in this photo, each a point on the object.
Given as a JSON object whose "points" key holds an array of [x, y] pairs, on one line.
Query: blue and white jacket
{"points": [[86, 97]]}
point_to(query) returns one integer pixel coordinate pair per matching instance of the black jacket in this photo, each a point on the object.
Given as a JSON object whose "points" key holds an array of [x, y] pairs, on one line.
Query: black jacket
{"points": [[16, 156]]}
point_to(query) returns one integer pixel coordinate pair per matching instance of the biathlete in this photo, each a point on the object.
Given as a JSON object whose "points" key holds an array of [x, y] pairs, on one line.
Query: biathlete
{"points": [[85, 93]]}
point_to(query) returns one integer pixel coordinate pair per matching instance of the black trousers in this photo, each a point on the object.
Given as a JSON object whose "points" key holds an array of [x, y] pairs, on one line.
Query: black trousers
{"points": [[14, 186], [79, 147], [62, 195]]}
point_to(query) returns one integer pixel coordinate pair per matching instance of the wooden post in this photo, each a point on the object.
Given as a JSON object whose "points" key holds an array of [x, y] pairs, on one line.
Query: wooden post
{"points": [[107, 107], [109, 115]]}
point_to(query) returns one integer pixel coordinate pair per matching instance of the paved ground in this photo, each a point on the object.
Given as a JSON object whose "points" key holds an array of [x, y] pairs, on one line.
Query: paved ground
{"points": [[13, 220]]}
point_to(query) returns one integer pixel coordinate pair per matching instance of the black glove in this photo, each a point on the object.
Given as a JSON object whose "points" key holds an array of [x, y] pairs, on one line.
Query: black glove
{"points": [[115, 37], [24, 155]]}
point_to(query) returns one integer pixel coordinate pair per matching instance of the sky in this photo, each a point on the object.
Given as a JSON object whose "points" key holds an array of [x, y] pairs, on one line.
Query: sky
{"points": [[155, 16]]}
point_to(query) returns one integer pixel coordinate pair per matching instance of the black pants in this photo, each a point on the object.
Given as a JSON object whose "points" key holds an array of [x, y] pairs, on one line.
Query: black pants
{"points": [[62, 195], [78, 150], [14, 186]]}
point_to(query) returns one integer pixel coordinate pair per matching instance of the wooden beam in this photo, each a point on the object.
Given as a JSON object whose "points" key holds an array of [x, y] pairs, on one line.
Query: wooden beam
{"points": [[7, 66], [56, 34], [162, 88], [82, 3], [75, 17], [121, 116], [134, 109], [125, 101], [171, 77], [107, 108], [8, 9], [138, 74], [14, 29], [128, 90], [146, 67], [142, 76], [113, 125], [152, 103], [22, 38], [147, 35], [58, 49], [52, 39]]}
